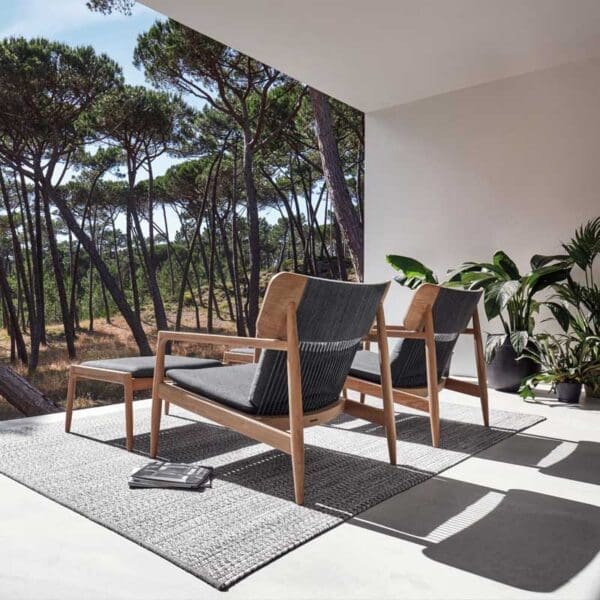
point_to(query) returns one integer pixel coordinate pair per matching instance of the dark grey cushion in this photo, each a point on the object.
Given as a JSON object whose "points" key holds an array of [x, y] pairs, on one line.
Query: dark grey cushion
{"points": [[366, 366], [143, 366], [227, 385]]}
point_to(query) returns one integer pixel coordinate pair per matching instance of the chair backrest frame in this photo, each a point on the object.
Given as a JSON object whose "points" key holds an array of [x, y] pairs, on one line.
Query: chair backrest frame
{"points": [[452, 310]]}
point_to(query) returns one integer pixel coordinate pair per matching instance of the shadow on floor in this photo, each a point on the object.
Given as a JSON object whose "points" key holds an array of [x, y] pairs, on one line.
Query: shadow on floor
{"points": [[416, 429], [583, 464], [208, 440], [523, 539], [550, 400], [577, 461]]}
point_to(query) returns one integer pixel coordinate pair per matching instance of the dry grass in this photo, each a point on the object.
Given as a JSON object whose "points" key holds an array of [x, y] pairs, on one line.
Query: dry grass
{"points": [[106, 341]]}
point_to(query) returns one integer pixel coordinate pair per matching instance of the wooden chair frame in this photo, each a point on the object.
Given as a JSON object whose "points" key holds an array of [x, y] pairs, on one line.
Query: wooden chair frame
{"points": [[235, 356], [130, 385], [286, 433], [427, 399]]}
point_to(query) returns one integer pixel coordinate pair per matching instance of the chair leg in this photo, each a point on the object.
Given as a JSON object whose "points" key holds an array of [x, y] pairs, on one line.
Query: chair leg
{"points": [[295, 403], [70, 397], [167, 407], [485, 409], [128, 393], [386, 386], [434, 417], [155, 426], [297, 445], [432, 378], [481, 371]]}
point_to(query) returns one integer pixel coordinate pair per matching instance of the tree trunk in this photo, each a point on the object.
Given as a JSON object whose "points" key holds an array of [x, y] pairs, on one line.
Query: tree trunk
{"points": [[102, 286], [253, 238], [132, 267], [16, 244], [169, 253], [339, 250], [185, 275], [160, 314], [22, 395], [15, 330], [109, 281], [59, 277], [91, 275], [38, 266], [36, 321], [336, 182], [235, 273]]}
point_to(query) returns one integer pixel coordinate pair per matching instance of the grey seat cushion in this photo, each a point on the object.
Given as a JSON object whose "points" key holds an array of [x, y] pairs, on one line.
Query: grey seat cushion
{"points": [[366, 366], [143, 366], [226, 385]]}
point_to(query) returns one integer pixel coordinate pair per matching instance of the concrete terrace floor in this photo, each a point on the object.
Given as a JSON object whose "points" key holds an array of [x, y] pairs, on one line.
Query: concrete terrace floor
{"points": [[506, 523]]}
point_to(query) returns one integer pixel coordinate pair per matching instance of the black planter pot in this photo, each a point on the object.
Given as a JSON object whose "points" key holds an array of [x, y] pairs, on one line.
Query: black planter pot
{"points": [[568, 392], [505, 373]]}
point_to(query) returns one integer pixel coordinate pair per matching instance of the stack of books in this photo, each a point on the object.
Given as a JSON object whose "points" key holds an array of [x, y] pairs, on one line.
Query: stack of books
{"points": [[159, 474]]}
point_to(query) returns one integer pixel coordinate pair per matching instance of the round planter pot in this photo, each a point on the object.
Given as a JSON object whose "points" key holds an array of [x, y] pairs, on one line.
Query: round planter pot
{"points": [[505, 373], [568, 392]]}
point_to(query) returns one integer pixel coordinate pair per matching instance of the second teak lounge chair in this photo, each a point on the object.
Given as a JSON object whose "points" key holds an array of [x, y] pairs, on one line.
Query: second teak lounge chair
{"points": [[309, 331], [420, 361]]}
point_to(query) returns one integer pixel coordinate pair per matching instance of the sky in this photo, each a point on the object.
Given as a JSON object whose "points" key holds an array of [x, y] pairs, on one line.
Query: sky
{"points": [[71, 22]]}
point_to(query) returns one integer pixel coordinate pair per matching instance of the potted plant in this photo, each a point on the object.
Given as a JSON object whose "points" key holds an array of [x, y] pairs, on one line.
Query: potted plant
{"points": [[508, 296], [512, 298], [576, 302], [565, 363]]}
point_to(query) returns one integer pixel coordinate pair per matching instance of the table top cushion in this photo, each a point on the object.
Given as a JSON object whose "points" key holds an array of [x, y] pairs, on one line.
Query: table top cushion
{"points": [[143, 366]]}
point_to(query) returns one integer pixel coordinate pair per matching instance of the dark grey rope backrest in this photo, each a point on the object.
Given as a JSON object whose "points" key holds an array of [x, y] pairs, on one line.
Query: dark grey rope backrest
{"points": [[452, 311], [332, 319]]}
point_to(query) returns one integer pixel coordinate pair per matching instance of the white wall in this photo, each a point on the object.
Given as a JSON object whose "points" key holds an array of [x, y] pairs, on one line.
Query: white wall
{"points": [[512, 165]]}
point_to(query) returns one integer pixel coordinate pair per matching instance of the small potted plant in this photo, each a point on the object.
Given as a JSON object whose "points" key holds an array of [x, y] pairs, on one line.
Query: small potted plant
{"points": [[576, 301], [565, 362]]}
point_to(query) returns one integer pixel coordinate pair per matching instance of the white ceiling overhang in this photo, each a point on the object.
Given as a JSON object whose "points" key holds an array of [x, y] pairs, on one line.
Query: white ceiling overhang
{"points": [[374, 54]]}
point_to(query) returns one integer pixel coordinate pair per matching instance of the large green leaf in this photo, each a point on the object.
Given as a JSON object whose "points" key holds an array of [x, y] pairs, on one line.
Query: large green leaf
{"points": [[561, 314], [502, 260], [468, 267], [477, 280], [545, 277], [585, 245], [492, 343], [497, 296], [412, 272], [519, 340], [541, 260]]}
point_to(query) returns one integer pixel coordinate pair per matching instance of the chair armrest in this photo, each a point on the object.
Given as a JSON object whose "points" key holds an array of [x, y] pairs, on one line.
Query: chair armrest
{"points": [[204, 338], [219, 340]]}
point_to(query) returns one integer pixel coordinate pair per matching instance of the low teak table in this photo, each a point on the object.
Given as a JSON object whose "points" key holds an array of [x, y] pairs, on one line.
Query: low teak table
{"points": [[133, 373]]}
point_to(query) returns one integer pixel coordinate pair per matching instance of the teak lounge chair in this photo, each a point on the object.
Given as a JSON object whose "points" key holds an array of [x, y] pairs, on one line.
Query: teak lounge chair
{"points": [[309, 331], [420, 361], [133, 373]]}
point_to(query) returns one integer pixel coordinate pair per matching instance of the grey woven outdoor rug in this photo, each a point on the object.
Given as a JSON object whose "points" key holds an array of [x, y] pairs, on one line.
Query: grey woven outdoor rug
{"points": [[248, 518]]}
